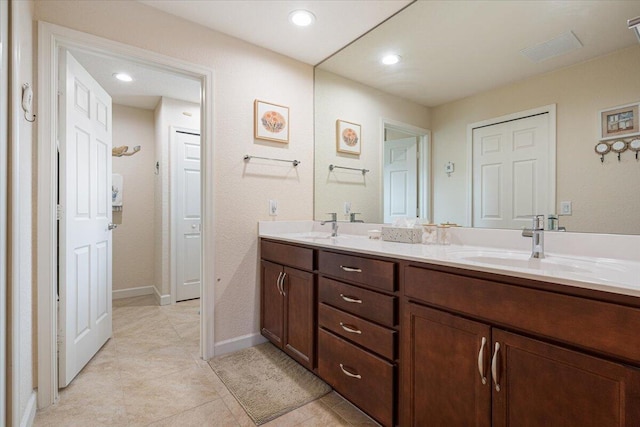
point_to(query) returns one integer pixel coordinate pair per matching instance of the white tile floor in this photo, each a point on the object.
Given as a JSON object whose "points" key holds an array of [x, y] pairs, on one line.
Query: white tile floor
{"points": [[149, 374]]}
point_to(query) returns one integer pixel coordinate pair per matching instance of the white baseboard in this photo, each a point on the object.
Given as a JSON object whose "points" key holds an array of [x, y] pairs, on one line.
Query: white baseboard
{"points": [[29, 415], [238, 343], [132, 292], [161, 299]]}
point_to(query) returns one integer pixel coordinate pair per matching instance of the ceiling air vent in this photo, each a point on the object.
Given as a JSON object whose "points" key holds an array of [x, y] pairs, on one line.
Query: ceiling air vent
{"points": [[564, 43]]}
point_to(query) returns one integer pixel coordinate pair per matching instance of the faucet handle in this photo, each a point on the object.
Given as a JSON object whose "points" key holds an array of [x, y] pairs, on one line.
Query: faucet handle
{"points": [[352, 216], [334, 216], [538, 222]]}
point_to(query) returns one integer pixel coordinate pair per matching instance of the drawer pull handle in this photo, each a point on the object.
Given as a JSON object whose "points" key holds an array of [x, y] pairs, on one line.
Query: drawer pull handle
{"points": [[350, 329], [494, 366], [351, 299], [481, 361], [351, 269], [349, 374]]}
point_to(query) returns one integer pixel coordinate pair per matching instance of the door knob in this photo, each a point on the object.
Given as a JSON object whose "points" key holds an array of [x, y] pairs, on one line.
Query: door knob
{"points": [[112, 226]]}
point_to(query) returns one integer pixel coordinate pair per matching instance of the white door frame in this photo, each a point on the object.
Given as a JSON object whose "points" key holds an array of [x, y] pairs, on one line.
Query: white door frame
{"points": [[173, 236], [425, 193], [4, 137], [50, 38], [551, 191]]}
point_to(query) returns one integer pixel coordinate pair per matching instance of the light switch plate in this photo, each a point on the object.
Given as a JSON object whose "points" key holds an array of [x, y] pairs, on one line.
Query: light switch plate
{"points": [[273, 208], [565, 208], [347, 208], [449, 167]]}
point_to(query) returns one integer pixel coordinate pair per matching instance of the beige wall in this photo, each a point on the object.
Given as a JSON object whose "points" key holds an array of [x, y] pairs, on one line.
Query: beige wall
{"points": [[340, 98], [168, 113], [133, 240], [602, 194], [243, 73]]}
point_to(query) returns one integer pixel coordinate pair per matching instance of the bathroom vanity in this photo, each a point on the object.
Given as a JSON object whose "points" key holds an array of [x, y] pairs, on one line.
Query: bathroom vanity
{"points": [[417, 335]]}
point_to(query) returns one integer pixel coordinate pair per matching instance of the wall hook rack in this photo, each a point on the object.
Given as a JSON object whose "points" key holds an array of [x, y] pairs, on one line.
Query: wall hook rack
{"points": [[247, 157], [332, 167]]}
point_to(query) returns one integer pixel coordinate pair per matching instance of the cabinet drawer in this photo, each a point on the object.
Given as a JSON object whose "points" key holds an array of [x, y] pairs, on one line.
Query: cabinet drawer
{"points": [[285, 254], [367, 304], [599, 326], [364, 379], [375, 338], [368, 272]]}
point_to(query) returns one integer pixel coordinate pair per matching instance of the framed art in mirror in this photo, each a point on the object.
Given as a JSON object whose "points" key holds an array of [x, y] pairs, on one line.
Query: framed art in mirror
{"points": [[348, 137], [271, 122], [619, 122]]}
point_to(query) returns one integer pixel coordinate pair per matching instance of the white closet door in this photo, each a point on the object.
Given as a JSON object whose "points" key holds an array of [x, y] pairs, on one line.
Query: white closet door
{"points": [[511, 172], [85, 256], [187, 213]]}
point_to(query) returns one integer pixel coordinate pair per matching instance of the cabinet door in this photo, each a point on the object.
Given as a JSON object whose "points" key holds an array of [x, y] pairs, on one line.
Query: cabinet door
{"points": [[443, 357], [299, 316], [545, 385], [271, 303]]}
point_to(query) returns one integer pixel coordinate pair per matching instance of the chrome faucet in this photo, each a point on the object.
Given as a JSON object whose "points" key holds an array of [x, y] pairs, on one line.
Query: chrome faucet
{"points": [[334, 224], [536, 232]]}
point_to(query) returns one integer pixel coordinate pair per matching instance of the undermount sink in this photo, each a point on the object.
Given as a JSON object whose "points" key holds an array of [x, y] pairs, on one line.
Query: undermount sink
{"points": [[523, 260]]}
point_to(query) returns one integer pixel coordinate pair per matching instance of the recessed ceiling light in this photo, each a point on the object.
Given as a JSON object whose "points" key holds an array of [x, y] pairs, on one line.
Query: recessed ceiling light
{"points": [[390, 59], [302, 18], [123, 77]]}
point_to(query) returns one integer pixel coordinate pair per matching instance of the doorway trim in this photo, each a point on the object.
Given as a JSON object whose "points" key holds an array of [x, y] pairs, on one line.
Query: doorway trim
{"points": [[50, 38], [4, 144], [424, 161], [551, 191]]}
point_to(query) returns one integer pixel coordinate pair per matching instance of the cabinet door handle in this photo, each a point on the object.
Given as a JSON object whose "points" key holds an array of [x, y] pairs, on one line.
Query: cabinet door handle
{"points": [[282, 284], [350, 329], [494, 366], [349, 374], [351, 269], [481, 361], [351, 299], [278, 282]]}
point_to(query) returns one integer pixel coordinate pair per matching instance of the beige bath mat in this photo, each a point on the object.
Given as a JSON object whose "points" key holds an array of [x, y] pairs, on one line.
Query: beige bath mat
{"points": [[267, 382]]}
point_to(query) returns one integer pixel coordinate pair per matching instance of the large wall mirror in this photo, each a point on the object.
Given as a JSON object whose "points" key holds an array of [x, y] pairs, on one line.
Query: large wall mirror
{"points": [[469, 72]]}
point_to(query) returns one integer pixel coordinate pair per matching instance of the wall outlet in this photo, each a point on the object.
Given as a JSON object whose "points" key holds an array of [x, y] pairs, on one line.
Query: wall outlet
{"points": [[347, 208], [273, 208], [565, 208]]}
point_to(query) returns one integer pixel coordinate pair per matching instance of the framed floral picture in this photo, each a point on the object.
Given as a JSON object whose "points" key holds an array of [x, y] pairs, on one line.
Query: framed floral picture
{"points": [[271, 122], [619, 122], [348, 137]]}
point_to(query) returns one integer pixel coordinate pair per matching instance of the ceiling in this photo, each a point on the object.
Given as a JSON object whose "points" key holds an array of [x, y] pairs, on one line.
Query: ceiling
{"points": [[454, 49], [265, 23], [449, 49], [148, 85]]}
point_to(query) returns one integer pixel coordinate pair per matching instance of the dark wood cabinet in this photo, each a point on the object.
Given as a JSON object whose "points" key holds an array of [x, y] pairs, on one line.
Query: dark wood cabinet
{"points": [[287, 303], [456, 371], [546, 385], [447, 358], [271, 303]]}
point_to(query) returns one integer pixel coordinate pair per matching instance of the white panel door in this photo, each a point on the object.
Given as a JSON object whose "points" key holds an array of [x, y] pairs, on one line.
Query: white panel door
{"points": [[187, 213], [511, 172], [400, 179], [84, 229]]}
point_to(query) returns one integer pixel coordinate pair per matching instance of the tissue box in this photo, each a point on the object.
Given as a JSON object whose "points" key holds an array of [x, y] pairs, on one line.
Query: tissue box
{"points": [[402, 234]]}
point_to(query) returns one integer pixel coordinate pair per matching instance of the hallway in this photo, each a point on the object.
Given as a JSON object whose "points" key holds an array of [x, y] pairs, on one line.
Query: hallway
{"points": [[149, 373]]}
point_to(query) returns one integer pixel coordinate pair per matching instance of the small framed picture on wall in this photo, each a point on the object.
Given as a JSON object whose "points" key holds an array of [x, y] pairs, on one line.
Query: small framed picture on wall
{"points": [[619, 122], [348, 137], [271, 122]]}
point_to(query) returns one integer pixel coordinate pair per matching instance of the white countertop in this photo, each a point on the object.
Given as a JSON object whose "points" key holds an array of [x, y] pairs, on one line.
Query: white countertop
{"points": [[597, 273]]}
